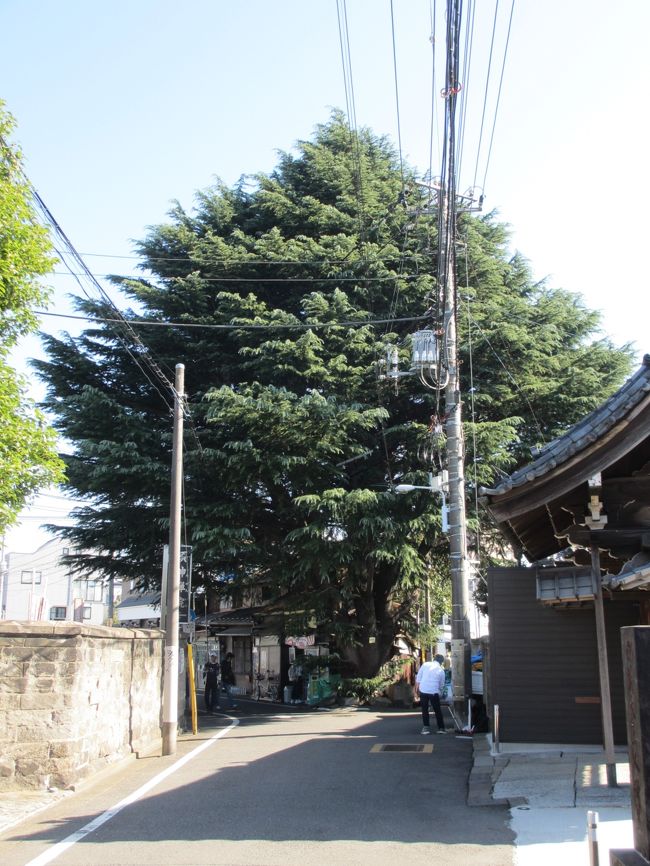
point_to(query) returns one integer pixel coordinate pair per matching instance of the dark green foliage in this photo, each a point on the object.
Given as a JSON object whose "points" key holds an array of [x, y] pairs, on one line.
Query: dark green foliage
{"points": [[290, 488], [367, 688]]}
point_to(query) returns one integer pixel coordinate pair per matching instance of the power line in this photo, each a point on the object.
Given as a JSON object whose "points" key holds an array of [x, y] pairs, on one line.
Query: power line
{"points": [[348, 81], [509, 374], [467, 68], [496, 110], [487, 85], [68, 249], [434, 101], [358, 279], [305, 326], [231, 262], [147, 360], [399, 123]]}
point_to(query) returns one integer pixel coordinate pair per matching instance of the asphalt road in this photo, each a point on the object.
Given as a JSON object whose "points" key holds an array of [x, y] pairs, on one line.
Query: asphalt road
{"points": [[296, 788]]}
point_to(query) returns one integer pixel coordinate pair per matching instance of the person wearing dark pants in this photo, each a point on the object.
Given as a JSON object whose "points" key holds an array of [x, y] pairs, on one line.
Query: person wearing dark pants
{"points": [[211, 694], [430, 683], [228, 679]]}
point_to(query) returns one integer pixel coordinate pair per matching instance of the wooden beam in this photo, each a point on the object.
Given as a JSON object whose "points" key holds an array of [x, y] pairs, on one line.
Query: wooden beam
{"points": [[636, 674], [603, 669]]}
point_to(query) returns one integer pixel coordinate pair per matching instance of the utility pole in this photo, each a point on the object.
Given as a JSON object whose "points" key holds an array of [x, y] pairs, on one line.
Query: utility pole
{"points": [[170, 680], [460, 631]]}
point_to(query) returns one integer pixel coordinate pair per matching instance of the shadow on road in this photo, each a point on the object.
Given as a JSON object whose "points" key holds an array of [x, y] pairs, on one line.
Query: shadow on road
{"points": [[329, 786]]}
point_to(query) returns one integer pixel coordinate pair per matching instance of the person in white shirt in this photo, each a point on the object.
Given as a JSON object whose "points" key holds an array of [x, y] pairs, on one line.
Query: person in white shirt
{"points": [[430, 683]]}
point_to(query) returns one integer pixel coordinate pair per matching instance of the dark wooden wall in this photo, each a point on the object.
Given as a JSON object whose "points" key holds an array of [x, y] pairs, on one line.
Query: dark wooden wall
{"points": [[543, 663]]}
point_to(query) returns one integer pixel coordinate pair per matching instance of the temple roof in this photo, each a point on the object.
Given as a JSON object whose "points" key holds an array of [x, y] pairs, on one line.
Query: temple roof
{"points": [[540, 504]]}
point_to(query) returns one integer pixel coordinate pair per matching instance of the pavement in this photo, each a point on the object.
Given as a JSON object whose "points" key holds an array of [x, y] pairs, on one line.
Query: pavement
{"points": [[548, 789]]}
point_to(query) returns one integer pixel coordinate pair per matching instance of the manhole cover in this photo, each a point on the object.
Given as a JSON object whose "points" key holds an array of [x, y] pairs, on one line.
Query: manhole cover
{"points": [[421, 749]]}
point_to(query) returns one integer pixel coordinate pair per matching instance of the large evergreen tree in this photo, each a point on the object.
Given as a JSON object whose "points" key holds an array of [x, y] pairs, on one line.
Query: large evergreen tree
{"points": [[28, 458], [299, 279]]}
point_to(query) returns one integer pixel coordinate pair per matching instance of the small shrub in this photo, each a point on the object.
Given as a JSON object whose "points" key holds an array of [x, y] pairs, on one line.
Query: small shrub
{"points": [[366, 688]]}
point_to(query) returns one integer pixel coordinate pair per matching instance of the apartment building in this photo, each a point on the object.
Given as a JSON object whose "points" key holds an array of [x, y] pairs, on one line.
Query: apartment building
{"points": [[40, 586]]}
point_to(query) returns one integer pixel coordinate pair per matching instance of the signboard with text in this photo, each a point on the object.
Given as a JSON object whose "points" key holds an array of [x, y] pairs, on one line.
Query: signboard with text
{"points": [[185, 584]]}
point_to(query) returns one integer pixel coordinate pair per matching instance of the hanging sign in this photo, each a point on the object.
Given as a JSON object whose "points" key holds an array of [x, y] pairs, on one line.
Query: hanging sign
{"points": [[301, 642]]}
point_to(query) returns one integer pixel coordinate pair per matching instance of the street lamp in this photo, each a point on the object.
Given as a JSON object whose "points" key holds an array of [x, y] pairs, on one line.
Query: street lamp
{"points": [[437, 484], [406, 488]]}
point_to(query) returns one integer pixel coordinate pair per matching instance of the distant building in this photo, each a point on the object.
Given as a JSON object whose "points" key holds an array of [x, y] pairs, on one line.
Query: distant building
{"points": [[139, 609], [40, 586]]}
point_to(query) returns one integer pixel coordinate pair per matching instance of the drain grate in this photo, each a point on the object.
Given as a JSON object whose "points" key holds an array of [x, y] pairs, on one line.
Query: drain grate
{"points": [[419, 748]]}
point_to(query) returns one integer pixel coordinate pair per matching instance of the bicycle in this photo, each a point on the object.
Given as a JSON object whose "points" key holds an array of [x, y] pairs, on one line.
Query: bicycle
{"points": [[268, 686]]}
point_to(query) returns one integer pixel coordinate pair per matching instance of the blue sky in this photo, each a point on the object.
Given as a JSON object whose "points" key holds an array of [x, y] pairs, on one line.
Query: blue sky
{"points": [[123, 107]]}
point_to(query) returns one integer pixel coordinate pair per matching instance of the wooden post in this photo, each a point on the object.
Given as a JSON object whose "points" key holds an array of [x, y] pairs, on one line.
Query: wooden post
{"points": [[603, 669], [636, 676]]}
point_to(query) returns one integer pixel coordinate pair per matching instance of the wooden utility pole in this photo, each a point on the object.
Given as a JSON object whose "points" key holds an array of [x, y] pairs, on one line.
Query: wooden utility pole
{"points": [[170, 681]]}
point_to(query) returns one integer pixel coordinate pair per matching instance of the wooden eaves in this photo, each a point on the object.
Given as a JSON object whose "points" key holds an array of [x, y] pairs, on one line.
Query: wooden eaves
{"points": [[543, 508]]}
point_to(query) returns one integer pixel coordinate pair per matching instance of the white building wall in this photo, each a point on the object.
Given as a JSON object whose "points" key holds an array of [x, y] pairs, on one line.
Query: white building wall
{"points": [[38, 586]]}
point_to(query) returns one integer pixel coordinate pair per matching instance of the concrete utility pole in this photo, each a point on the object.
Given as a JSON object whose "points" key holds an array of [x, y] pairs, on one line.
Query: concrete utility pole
{"points": [[459, 567], [170, 680]]}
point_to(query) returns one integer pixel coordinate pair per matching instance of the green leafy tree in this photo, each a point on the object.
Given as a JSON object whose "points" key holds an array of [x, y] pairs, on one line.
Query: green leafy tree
{"points": [[295, 444], [28, 458]]}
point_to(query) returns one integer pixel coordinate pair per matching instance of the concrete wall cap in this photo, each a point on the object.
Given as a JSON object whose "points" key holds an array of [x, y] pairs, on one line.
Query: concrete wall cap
{"points": [[16, 628]]}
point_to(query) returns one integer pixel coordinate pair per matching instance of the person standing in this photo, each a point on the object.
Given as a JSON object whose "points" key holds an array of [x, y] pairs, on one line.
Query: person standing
{"points": [[430, 683], [228, 678], [297, 683], [211, 673]]}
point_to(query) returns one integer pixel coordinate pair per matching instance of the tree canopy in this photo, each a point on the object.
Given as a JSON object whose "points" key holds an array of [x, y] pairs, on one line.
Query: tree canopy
{"points": [[28, 459], [281, 294]]}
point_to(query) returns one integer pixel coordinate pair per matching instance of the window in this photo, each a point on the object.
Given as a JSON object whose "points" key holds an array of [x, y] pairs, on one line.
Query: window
{"points": [[93, 590], [26, 576], [57, 612], [88, 611]]}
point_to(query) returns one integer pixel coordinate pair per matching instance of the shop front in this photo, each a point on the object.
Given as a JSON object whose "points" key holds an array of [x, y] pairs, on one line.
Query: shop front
{"points": [[310, 679]]}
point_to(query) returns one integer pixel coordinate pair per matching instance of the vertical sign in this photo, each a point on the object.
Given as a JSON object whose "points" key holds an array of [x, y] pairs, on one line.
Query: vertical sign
{"points": [[185, 584]]}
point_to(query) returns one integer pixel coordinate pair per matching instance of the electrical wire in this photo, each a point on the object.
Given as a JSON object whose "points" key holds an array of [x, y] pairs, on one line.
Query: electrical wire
{"points": [[303, 326], [350, 101], [487, 85], [399, 122], [434, 101], [136, 278], [466, 76], [147, 365], [512, 379], [228, 262], [472, 409], [145, 361], [496, 110]]}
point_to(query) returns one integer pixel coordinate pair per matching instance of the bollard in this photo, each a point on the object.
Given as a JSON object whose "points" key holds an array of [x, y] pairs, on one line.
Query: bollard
{"points": [[592, 837], [495, 733]]}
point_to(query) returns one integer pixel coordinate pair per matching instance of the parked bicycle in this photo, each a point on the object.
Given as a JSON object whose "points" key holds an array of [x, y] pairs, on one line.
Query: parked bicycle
{"points": [[268, 686]]}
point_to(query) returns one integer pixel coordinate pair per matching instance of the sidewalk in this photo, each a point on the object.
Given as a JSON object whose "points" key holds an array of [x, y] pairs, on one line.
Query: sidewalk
{"points": [[549, 790], [546, 776], [17, 806]]}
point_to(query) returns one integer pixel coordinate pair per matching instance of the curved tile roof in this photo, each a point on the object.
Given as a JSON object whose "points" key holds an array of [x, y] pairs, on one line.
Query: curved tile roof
{"points": [[587, 431]]}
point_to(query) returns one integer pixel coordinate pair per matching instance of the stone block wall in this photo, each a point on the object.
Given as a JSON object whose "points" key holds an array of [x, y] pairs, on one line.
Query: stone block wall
{"points": [[74, 698]]}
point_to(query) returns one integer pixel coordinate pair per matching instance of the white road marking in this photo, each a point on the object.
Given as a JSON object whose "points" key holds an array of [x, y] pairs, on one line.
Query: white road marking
{"points": [[58, 849]]}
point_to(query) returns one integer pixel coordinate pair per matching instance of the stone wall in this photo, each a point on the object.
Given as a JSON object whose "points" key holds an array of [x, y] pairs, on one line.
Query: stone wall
{"points": [[74, 698]]}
